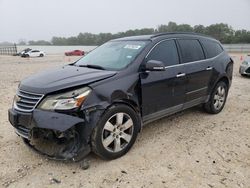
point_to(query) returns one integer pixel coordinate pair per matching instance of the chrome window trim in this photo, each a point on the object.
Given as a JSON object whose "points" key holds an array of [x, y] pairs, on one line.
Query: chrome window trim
{"points": [[158, 44], [193, 62], [187, 63]]}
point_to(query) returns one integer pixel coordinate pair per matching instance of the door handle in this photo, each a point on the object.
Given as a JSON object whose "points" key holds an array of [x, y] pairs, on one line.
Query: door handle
{"points": [[180, 75], [209, 68]]}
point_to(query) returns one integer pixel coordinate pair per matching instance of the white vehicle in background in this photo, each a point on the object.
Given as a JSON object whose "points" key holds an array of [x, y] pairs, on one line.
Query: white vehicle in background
{"points": [[245, 66], [33, 53]]}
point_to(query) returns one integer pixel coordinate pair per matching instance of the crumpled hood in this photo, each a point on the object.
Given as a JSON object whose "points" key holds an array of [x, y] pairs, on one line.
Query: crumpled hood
{"points": [[63, 77]]}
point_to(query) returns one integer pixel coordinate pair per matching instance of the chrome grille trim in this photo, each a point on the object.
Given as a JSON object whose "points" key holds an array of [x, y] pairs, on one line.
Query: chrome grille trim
{"points": [[28, 97], [27, 101]]}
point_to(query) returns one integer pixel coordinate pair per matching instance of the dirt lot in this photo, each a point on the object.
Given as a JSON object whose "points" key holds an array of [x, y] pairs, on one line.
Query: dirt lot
{"points": [[189, 149]]}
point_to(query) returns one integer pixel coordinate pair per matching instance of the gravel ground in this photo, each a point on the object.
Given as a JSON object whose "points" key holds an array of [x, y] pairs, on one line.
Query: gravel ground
{"points": [[189, 149]]}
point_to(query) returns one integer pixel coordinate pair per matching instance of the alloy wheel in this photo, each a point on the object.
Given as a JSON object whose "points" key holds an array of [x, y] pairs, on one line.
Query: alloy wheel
{"points": [[219, 97], [117, 132]]}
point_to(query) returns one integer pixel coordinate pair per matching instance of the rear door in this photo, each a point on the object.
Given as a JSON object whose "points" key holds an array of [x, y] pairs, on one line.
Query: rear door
{"points": [[212, 51], [163, 92], [198, 70]]}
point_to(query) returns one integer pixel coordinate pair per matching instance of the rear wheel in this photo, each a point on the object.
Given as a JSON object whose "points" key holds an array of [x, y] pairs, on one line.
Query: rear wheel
{"points": [[217, 99], [116, 132], [41, 55]]}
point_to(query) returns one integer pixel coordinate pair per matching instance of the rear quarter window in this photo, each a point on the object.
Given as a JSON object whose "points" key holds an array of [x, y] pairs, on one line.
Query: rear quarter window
{"points": [[211, 48], [190, 50]]}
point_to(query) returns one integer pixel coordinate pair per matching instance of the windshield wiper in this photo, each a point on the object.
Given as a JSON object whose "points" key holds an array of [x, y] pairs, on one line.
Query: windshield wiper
{"points": [[92, 66]]}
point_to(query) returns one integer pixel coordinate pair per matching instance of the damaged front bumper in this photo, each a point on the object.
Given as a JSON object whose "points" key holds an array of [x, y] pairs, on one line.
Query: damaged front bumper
{"points": [[56, 135]]}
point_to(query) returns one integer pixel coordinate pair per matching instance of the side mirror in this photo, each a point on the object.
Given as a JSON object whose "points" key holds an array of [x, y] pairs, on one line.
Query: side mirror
{"points": [[153, 65]]}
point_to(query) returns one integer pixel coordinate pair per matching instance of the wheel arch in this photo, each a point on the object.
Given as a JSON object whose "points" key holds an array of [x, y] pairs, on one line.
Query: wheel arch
{"points": [[208, 105], [223, 78], [130, 103]]}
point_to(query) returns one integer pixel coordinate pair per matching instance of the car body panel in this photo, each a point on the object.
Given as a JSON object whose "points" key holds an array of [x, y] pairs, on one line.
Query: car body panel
{"points": [[244, 69], [199, 75], [44, 119], [33, 53], [152, 94], [61, 78], [245, 66], [154, 83]]}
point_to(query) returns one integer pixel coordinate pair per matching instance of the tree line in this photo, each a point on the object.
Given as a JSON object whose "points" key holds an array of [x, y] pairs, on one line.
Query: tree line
{"points": [[221, 31]]}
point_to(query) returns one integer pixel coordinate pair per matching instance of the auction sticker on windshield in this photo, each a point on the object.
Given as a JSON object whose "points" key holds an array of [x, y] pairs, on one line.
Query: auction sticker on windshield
{"points": [[133, 47]]}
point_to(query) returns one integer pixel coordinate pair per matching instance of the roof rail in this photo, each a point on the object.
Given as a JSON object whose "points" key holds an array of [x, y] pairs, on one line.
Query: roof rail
{"points": [[168, 33]]}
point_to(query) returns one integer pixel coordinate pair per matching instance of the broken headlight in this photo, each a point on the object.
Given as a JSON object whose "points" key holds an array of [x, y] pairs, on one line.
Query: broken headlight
{"points": [[65, 101]]}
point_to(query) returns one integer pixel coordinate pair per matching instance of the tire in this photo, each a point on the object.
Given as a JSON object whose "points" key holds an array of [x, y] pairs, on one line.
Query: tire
{"points": [[115, 132], [41, 55], [217, 99]]}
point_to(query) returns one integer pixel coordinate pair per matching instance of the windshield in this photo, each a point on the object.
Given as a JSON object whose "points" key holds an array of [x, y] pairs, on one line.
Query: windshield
{"points": [[113, 55]]}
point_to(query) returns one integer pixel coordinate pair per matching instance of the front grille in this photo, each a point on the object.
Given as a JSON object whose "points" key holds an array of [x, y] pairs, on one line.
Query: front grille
{"points": [[26, 101]]}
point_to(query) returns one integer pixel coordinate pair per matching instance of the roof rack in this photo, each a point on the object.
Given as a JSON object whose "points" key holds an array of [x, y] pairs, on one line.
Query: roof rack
{"points": [[168, 33]]}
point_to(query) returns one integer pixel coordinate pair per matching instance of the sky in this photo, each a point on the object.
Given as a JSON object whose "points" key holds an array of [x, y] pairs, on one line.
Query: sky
{"points": [[41, 20]]}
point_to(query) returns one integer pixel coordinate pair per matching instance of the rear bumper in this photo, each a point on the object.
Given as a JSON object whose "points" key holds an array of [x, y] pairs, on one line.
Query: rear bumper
{"points": [[52, 126]]}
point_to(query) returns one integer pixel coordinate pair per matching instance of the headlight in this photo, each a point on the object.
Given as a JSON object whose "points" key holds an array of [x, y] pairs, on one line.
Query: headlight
{"points": [[65, 101], [245, 63]]}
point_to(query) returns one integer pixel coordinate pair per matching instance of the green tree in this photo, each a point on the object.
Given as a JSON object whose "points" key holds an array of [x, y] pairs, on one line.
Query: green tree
{"points": [[39, 42], [199, 29], [220, 31]]}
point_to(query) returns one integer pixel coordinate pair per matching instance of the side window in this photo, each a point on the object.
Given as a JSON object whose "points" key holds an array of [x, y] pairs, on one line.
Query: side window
{"points": [[165, 52], [191, 50], [212, 48]]}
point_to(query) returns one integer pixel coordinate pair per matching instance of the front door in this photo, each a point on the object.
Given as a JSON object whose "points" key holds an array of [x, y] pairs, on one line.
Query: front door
{"points": [[163, 92]]}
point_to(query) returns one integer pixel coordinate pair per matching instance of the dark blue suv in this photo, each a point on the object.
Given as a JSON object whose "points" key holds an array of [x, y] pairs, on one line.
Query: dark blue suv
{"points": [[100, 102]]}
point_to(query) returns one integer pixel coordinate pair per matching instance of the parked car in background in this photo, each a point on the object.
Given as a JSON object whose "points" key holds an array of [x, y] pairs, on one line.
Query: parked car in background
{"points": [[75, 53], [100, 102], [245, 67], [33, 53], [23, 51]]}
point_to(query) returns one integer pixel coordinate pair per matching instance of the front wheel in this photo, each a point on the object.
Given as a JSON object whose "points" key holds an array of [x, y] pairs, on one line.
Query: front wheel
{"points": [[217, 99], [116, 132]]}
